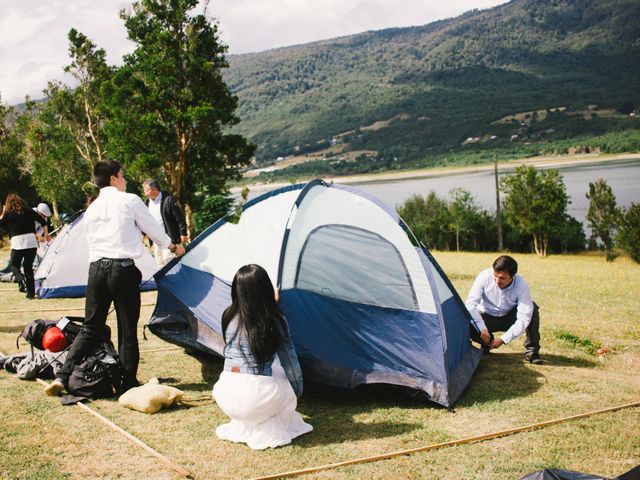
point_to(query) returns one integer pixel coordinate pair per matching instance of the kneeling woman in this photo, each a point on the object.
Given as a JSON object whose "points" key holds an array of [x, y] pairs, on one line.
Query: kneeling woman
{"points": [[261, 378]]}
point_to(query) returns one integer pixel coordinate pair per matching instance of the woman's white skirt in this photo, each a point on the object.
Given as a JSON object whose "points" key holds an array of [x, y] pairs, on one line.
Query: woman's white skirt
{"points": [[262, 409]]}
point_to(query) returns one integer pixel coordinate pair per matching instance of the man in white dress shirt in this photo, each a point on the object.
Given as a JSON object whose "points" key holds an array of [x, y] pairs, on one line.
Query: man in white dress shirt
{"points": [[114, 224], [500, 301]]}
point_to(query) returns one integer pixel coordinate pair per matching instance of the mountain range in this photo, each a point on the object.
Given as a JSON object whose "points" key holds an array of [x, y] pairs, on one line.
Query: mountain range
{"points": [[525, 72]]}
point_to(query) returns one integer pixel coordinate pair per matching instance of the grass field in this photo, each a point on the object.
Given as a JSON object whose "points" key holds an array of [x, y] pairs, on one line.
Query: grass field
{"points": [[587, 306]]}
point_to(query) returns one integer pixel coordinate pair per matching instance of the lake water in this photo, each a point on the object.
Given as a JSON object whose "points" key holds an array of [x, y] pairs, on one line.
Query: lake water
{"points": [[622, 176]]}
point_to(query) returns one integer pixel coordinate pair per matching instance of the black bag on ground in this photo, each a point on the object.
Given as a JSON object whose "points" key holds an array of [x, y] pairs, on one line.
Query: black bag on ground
{"points": [[99, 375], [34, 332]]}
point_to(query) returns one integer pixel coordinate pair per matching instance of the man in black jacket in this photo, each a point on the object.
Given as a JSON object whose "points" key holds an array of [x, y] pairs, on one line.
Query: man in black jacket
{"points": [[165, 210]]}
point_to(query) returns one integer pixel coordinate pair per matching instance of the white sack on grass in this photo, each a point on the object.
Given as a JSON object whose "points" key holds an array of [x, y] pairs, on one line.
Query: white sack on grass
{"points": [[150, 398]]}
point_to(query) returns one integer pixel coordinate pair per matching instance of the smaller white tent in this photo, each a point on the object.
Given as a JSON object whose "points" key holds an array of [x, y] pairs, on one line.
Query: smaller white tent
{"points": [[64, 270]]}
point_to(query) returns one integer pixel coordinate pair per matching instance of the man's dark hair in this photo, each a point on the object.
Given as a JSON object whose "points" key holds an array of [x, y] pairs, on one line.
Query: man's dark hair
{"points": [[153, 183], [505, 263], [103, 170]]}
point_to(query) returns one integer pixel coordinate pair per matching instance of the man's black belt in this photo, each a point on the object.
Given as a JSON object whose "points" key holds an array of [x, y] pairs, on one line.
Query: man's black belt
{"points": [[124, 262]]}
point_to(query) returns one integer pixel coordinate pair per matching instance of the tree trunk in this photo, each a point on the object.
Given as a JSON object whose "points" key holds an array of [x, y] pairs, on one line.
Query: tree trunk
{"points": [[457, 240], [536, 244], [188, 216], [56, 213]]}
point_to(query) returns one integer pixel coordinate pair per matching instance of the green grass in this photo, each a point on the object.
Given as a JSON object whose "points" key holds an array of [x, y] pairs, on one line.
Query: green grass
{"points": [[584, 343], [593, 301]]}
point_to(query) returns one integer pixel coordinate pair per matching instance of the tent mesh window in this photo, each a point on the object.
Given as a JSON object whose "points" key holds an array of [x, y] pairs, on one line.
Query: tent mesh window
{"points": [[356, 265]]}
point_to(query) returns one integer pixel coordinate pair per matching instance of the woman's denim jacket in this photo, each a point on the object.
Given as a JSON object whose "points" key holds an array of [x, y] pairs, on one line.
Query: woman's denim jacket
{"points": [[237, 357]]}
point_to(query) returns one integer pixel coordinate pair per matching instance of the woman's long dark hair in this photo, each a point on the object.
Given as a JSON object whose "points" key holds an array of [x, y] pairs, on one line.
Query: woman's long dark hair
{"points": [[15, 204], [259, 318]]}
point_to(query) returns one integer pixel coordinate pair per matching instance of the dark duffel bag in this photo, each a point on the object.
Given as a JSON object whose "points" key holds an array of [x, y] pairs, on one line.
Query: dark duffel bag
{"points": [[99, 375]]}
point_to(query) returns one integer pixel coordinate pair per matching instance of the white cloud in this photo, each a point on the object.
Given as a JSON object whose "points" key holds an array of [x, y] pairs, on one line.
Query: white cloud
{"points": [[34, 46]]}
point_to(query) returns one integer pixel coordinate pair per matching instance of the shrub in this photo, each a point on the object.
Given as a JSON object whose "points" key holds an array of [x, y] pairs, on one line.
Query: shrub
{"points": [[628, 238]]}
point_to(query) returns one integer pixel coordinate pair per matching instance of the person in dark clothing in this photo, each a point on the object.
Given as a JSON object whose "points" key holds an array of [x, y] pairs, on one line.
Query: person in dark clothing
{"points": [[166, 211], [19, 220], [113, 224]]}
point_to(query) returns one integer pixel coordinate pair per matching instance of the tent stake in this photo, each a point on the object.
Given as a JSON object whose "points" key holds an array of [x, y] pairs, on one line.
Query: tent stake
{"points": [[477, 438]]}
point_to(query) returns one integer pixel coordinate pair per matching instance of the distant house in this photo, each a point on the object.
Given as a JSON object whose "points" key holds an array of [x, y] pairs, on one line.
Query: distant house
{"points": [[471, 140]]}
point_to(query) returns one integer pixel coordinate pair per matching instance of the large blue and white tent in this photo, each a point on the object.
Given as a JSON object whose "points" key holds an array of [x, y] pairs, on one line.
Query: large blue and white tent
{"points": [[64, 269], [364, 304]]}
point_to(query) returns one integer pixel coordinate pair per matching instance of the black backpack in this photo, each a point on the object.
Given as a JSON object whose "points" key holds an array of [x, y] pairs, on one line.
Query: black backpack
{"points": [[99, 375]]}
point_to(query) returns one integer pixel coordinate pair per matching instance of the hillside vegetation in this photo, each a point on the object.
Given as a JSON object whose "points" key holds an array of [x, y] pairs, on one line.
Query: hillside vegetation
{"points": [[547, 75]]}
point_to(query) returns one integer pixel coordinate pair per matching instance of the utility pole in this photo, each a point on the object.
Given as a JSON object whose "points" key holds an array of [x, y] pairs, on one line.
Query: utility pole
{"points": [[498, 215]]}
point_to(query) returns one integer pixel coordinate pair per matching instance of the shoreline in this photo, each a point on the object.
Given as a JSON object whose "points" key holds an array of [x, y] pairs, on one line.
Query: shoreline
{"points": [[542, 161]]}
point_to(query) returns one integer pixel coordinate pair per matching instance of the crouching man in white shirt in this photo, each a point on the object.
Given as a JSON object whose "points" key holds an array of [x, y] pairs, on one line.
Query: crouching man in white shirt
{"points": [[500, 301]]}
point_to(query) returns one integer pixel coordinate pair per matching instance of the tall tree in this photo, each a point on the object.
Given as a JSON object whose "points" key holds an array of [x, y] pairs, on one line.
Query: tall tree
{"points": [[463, 211], [603, 215], [50, 155], [13, 178], [535, 203], [81, 108], [170, 107]]}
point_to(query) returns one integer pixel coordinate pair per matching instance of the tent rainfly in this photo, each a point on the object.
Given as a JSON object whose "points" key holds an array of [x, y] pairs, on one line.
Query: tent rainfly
{"points": [[365, 306], [64, 269]]}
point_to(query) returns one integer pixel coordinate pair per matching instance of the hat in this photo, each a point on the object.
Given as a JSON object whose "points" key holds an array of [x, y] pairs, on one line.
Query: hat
{"points": [[43, 208]]}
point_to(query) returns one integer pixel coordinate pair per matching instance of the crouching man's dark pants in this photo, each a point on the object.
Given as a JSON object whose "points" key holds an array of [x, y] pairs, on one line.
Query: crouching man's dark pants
{"points": [[502, 324]]}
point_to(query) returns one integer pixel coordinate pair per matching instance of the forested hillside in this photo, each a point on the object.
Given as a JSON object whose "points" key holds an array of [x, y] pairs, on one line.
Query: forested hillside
{"points": [[530, 72]]}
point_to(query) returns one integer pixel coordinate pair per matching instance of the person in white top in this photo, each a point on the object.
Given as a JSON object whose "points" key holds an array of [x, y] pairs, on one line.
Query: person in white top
{"points": [[500, 301], [114, 224]]}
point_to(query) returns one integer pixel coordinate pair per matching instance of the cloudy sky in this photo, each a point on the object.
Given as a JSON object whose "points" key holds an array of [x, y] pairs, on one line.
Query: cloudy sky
{"points": [[33, 33]]}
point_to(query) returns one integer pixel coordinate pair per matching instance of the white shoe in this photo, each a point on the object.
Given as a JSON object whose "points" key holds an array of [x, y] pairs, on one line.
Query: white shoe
{"points": [[55, 388]]}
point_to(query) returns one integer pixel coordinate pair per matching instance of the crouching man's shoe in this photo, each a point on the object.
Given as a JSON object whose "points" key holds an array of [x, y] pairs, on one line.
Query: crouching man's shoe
{"points": [[55, 388], [533, 358]]}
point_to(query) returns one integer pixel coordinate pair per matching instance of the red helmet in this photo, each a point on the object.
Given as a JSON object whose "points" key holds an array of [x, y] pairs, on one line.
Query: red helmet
{"points": [[54, 340]]}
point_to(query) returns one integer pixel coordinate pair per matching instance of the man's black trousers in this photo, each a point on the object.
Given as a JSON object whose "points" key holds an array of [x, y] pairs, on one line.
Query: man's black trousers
{"points": [[117, 281], [502, 324], [24, 258]]}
